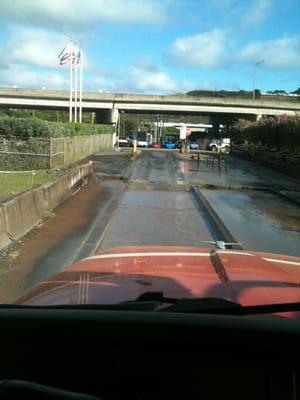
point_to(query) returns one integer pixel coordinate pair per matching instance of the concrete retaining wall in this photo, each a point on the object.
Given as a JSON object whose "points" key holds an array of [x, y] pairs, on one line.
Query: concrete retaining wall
{"points": [[19, 215]]}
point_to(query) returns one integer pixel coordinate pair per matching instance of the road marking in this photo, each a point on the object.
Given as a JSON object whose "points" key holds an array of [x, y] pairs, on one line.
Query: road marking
{"points": [[146, 254], [100, 240], [281, 261]]}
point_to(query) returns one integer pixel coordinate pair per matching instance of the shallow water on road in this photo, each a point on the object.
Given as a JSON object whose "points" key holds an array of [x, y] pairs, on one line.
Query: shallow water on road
{"points": [[154, 217], [260, 220], [233, 172]]}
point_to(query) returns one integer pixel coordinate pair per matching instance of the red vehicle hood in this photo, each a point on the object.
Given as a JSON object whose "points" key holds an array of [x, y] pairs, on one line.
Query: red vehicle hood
{"points": [[123, 274]]}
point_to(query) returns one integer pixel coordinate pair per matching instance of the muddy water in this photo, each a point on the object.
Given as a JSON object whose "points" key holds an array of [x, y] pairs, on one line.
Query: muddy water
{"points": [[260, 220], [110, 164], [154, 217], [233, 172]]}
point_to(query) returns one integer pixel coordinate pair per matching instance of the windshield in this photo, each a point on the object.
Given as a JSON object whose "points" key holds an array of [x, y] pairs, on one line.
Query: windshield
{"points": [[149, 147]]}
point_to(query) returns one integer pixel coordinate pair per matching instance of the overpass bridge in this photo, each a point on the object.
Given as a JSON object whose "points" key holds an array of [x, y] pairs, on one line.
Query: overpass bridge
{"points": [[108, 106]]}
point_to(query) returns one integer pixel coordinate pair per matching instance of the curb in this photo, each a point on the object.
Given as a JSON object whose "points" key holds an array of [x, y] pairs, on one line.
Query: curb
{"points": [[218, 225]]}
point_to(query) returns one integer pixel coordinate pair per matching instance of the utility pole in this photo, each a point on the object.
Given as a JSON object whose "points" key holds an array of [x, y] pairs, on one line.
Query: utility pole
{"points": [[124, 123], [254, 77]]}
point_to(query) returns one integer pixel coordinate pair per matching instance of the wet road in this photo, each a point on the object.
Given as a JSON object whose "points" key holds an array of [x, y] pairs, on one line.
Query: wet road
{"points": [[154, 217], [156, 206], [157, 167], [260, 220], [233, 172]]}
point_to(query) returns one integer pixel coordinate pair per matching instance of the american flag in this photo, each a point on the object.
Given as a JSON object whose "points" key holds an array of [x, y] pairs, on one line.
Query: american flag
{"points": [[65, 55]]}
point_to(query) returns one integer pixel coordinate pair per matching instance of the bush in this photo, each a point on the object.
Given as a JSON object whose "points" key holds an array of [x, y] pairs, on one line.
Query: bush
{"points": [[22, 162], [279, 133], [33, 127]]}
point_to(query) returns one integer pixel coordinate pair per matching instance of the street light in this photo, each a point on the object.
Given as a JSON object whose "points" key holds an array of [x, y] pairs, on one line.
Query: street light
{"points": [[254, 75]]}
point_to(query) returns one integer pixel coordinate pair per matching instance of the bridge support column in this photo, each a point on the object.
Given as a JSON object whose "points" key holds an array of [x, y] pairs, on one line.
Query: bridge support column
{"points": [[107, 116], [103, 117], [215, 129], [215, 121], [114, 115], [258, 117]]}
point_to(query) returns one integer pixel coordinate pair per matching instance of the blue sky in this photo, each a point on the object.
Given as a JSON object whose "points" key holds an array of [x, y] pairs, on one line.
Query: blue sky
{"points": [[153, 46]]}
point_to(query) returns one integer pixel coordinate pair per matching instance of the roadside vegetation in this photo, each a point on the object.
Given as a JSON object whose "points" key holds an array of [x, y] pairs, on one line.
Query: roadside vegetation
{"points": [[25, 142], [17, 182], [277, 94], [11, 127], [275, 134], [48, 115]]}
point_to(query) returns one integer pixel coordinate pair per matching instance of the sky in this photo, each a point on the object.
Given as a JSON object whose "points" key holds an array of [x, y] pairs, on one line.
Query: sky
{"points": [[152, 46]]}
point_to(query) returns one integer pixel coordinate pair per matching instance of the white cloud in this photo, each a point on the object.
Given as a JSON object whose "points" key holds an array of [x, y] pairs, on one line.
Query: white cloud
{"points": [[74, 13], [281, 53], [35, 47], [143, 80], [206, 50], [31, 57], [24, 77], [258, 12], [99, 83]]}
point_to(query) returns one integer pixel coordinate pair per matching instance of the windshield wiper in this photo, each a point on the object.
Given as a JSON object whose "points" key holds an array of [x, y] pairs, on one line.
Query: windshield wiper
{"points": [[215, 305], [156, 301], [199, 305]]}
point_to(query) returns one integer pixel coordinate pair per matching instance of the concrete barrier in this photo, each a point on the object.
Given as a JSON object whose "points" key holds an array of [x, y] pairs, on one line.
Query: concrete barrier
{"points": [[19, 215], [4, 236]]}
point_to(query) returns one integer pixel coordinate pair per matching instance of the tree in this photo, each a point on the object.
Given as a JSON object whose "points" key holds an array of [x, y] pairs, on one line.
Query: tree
{"points": [[279, 91], [131, 126], [296, 91]]}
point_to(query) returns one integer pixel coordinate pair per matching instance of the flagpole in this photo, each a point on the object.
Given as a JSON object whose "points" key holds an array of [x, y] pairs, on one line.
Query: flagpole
{"points": [[80, 87], [71, 81], [75, 79]]}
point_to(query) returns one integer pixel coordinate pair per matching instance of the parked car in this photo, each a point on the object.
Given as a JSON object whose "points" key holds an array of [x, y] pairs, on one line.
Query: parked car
{"points": [[142, 143], [222, 146], [156, 146], [169, 145], [194, 146], [123, 143]]}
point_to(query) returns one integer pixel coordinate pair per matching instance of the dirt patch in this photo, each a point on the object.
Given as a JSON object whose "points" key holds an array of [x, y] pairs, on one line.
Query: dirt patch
{"points": [[70, 217]]}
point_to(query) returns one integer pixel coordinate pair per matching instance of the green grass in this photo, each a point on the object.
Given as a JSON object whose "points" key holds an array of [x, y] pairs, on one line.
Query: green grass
{"points": [[13, 183]]}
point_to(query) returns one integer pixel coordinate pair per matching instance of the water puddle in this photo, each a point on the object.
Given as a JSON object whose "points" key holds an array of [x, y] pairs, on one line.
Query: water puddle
{"points": [[260, 220]]}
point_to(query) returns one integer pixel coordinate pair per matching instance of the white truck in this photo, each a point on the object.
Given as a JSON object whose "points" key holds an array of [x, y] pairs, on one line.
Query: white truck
{"points": [[220, 145]]}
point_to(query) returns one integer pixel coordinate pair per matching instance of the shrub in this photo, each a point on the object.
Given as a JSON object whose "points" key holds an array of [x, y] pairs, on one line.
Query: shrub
{"points": [[34, 127], [278, 133]]}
